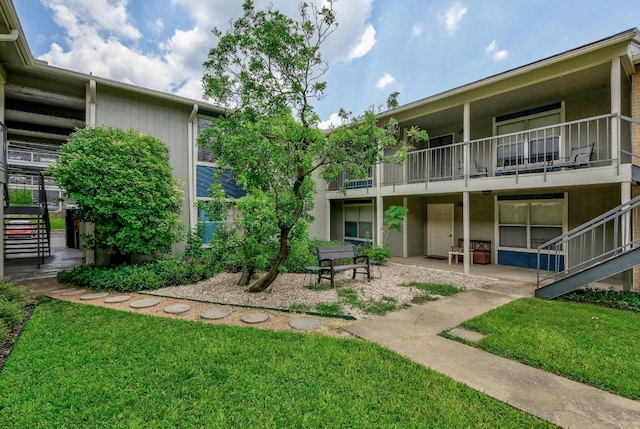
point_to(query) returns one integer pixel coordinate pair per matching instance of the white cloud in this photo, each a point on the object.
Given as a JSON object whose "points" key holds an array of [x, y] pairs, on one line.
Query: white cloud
{"points": [[385, 80], [334, 121], [101, 15], [498, 55], [100, 37], [366, 43], [417, 29], [453, 16]]}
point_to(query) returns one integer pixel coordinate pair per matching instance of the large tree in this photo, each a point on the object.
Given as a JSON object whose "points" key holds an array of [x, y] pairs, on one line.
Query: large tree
{"points": [[122, 182], [268, 68]]}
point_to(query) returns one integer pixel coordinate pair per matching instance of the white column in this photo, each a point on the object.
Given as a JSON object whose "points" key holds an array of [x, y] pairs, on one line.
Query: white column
{"points": [[405, 232], [466, 230], [625, 232], [616, 106], [466, 136], [466, 131]]}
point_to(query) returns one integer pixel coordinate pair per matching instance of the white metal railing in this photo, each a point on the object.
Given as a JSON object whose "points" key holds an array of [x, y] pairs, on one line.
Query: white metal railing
{"points": [[596, 141], [344, 181], [593, 242]]}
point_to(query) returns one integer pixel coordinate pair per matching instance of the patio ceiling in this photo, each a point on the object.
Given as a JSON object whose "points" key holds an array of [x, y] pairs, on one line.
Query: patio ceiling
{"points": [[557, 89]]}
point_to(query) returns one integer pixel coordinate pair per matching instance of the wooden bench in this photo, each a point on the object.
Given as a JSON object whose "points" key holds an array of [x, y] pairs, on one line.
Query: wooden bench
{"points": [[479, 251], [332, 260]]}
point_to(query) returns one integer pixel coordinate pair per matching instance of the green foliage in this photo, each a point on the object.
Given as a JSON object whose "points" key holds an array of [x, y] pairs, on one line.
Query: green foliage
{"points": [[12, 301], [57, 222], [393, 221], [269, 67], [20, 197], [122, 181], [349, 296], [607, 298], [192, 266], [436, 289]]}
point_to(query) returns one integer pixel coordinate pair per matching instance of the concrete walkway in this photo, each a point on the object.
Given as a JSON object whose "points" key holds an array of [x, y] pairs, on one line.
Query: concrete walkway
{"points": [[413, 334]]}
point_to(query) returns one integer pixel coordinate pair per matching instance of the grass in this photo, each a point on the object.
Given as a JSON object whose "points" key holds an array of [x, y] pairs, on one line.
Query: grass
{"points": [[85, 366], [432, 291], [586, 343], [57, 221]]}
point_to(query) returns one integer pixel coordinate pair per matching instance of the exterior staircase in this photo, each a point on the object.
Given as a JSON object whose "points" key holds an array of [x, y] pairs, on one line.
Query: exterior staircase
{"points": [[594, 251], [27, 230]]}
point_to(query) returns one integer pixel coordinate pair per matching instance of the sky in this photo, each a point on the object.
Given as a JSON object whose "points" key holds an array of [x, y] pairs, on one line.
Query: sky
{"points": [[418, 48]]}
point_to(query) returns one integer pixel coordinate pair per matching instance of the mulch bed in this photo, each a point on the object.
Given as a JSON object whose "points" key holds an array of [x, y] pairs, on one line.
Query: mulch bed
{"points": [[7, 345]]}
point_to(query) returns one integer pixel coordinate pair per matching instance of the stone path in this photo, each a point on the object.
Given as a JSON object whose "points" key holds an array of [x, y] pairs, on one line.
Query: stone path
{"points": [[173, 307]]}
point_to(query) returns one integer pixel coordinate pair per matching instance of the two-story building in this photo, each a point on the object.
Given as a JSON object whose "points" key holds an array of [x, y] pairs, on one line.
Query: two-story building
{"points": [[512, 161]]}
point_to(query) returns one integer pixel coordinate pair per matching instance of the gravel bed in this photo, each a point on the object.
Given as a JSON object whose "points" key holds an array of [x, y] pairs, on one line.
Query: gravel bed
{"points": [[292, 290]]}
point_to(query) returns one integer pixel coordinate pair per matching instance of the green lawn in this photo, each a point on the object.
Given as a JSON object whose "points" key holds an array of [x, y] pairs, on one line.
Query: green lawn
{"points": [[586, 343], [85, 366]]}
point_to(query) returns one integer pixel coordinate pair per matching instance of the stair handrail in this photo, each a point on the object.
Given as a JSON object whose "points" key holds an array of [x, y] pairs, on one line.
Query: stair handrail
{"points": [[5, 165], [556, 244]]}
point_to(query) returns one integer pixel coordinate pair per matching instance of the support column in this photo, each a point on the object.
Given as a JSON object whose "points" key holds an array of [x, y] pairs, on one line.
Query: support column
{"points": [[466, 131], [625, 231], [466, 231], [405, 230], [616, 106]]}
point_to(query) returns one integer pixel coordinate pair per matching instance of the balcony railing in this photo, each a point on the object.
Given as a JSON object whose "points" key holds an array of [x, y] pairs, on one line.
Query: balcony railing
{"points": [[569, 145], [344, 181]]}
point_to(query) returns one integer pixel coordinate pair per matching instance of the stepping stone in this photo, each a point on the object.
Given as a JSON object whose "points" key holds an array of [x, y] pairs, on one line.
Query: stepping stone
{"points": [[116, 299], [465, 334], [216, 313], [145, 303], [67, 289], [74, 292], [255, 318], [177, 308], [90, 296], [304, 323]]}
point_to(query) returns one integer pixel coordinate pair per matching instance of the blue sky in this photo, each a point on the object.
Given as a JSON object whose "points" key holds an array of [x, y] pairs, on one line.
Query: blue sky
{"points": [[417, 47]]}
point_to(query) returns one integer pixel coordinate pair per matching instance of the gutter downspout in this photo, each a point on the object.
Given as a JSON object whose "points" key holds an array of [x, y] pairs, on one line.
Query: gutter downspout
{"points": [[10, 37], [191, 154]]}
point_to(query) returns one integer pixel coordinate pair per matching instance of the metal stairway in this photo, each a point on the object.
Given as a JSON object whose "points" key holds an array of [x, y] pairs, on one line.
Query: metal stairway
{"points": [[600, 248], [26, 229]]}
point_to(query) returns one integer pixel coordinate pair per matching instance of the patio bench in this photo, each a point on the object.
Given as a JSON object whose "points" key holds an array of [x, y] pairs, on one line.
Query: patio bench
{"points": [[335, 259]]}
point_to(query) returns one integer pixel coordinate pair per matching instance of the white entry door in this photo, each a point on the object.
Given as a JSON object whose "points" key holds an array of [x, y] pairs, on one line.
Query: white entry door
{"points": [[439, 229]]}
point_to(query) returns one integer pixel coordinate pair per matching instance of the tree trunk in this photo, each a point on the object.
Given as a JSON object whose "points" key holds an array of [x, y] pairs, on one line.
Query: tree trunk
{"points": [[247, 274], [265, 281]]}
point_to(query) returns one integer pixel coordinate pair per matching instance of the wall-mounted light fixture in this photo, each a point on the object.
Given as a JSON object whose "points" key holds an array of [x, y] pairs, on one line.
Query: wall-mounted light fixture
{"points": [[486, 192], [459, 204]]}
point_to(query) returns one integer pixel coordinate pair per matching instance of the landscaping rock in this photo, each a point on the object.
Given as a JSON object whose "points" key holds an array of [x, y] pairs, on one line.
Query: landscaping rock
{"points": [[304, 323], [252, 318], [216, 313], [91, 296], [117, 299], [177, 308], [145, 303]]}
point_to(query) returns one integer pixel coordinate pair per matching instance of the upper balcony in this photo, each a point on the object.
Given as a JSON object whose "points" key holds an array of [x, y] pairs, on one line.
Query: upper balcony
{"points": [[540, 157]]}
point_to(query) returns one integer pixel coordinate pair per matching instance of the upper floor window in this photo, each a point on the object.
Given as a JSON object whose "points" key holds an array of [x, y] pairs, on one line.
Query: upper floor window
{"points": [[529, 136], [204, 153]]}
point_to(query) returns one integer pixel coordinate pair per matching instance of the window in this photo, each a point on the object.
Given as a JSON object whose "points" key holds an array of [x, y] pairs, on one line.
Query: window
{"points": [[529, 136], [528, 224], [358, 222], [204, 154]]}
